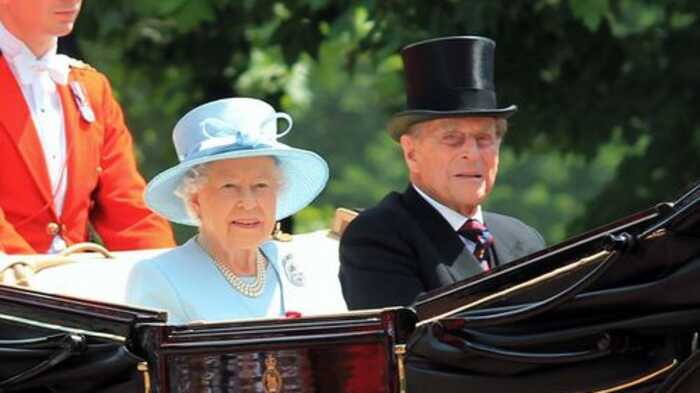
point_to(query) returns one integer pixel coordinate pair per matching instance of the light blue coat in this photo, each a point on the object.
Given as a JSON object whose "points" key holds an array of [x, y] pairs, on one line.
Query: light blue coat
{"points": [[186, 283]]}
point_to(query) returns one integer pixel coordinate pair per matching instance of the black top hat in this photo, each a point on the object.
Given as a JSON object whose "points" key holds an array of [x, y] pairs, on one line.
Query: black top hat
{"points": [[448, 77]]}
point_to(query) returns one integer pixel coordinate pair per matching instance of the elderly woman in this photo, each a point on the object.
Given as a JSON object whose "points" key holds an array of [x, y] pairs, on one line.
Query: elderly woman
{"points": [[234, 182]]}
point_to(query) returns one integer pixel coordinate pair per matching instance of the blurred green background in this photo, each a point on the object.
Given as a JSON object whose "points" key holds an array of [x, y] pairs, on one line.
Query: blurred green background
{"points": [[607, 90]]}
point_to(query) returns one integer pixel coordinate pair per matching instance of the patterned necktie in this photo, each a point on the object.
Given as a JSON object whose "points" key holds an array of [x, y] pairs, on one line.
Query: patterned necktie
{"points": [[477, 233]]}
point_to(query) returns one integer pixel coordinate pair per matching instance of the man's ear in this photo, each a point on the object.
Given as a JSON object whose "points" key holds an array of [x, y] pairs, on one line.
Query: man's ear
{"points": [[408, 146]]}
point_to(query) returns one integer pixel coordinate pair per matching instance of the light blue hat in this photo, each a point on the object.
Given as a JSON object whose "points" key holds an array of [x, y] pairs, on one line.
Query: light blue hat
{"points": [[237, 128]]}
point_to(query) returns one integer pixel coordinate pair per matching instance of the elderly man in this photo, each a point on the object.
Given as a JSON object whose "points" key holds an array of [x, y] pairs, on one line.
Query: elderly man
{"points": [[435, 233], [67, 155]]}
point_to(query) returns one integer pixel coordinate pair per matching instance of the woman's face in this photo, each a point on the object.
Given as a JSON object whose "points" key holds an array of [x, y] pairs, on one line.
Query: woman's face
{"points": [[237, 205]]}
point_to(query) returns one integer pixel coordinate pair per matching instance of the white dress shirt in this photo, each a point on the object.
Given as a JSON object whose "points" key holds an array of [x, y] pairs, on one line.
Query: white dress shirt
{"points": [[43, 100], [455, 219]]}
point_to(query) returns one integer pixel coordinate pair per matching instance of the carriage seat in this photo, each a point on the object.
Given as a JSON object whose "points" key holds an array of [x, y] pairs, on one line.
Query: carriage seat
{"points": [[89, 271]]}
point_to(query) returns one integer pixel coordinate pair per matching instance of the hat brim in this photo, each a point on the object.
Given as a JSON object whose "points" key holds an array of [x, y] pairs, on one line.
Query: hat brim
{"points": [[304, 173], [398, 124]]}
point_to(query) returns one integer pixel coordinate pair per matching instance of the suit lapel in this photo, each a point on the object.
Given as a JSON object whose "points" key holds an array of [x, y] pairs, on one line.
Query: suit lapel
{"points": [[19, 125], [456, 263], [465, 265], [76, 146]]}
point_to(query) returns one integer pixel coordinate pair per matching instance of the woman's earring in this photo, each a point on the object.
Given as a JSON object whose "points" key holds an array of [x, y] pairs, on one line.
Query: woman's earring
{"points": [[280, 236]]}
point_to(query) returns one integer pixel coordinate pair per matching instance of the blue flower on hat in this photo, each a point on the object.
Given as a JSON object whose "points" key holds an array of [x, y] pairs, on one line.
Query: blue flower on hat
{"points": [[220, 136]]}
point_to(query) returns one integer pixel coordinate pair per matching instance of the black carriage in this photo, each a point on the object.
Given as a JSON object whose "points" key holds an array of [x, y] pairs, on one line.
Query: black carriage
{"points": [[613, 310]]}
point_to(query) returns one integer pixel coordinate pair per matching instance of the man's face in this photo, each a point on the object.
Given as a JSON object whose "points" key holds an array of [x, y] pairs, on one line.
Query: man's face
{"points": [[454, 160], [32, 20]]}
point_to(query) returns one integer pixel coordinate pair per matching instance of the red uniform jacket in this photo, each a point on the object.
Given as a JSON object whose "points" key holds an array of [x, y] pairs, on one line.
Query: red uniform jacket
{"points": [[104, 186]]}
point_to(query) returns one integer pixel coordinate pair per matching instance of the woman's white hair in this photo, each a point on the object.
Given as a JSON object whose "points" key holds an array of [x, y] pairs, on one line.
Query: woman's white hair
{"points": [[197, 176], [191, 183]]}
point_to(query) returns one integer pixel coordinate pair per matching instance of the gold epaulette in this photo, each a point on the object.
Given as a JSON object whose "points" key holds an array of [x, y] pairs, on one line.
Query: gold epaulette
{"points": [[75, 63]]}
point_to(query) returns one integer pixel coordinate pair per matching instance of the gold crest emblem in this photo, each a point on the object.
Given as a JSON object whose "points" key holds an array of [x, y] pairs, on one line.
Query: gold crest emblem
{"points": [[271, 378]]}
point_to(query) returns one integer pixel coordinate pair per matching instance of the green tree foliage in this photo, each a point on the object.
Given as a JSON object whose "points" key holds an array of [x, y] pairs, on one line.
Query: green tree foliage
{"points": [[607, 90]]}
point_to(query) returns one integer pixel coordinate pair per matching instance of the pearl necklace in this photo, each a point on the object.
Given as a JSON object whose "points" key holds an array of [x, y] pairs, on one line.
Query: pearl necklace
{"points": [[253, 289]]}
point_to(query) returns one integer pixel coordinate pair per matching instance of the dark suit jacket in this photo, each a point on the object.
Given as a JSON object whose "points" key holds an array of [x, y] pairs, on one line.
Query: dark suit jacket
{"points": [[403, 246]]}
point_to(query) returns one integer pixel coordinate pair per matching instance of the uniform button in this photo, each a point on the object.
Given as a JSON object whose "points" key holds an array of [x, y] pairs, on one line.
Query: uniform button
{"points": [[99, 170], [53, 229]]}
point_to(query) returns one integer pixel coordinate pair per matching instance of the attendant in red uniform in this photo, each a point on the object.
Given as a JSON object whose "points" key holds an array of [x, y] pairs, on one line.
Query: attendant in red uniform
{"points": [[67, 155]]}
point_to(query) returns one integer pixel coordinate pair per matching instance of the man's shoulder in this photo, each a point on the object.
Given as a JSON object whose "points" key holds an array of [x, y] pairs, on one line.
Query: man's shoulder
{"points": [[388, 210], [503, 221], [491, 217], [513, 226], [77, 64], [391, 220], [84, 71]]}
